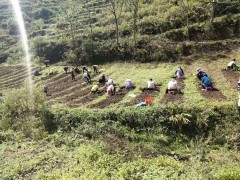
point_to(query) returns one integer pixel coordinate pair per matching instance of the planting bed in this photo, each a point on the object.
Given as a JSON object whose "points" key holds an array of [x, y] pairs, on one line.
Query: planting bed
{"points": [[214, 94], [12, 76], [118, 97], [232, 76], [86, 99], [175, 97]]}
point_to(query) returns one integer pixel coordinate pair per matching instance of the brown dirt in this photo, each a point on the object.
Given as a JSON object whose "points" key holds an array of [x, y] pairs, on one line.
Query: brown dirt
{"points": [[176, 97], [63, 83], [67, 90], [69, 99], [86, 99], [232, 77], [214, 94], [16, 79], [118, 97], [10, 70]]}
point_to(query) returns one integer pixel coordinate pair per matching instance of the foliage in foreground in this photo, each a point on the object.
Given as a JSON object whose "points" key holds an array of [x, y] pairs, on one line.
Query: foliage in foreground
{"points": [[129, 143]]}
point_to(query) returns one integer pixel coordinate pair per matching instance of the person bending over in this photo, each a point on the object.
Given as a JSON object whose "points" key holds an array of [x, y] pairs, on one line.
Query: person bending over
{"points": [[206, 83], [172, 87]]}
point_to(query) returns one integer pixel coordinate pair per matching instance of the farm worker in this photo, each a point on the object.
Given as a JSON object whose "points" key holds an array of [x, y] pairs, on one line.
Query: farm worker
{"points": [[172, 86], [77, 70], [128, 84], [36, 72], [47, 62], [95, 68], [206, 82], [110, 81], [179, 73], [95, 88], [151, 84], [73, 74], [45, 89], [232, 65], [86, 76], [110, 90], [200, 73], [65, 69], [102, 79], [84, 69]]}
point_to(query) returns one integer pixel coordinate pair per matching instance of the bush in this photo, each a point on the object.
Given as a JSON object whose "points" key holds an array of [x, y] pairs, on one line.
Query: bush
{"points": [[48, 49], [25, 113]]}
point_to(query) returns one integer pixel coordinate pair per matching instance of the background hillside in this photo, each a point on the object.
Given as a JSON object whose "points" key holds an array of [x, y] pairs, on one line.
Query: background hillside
{"points": [[151, 30]]}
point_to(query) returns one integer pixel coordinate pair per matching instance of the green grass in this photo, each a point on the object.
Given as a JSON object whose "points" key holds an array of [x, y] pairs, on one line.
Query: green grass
{"points": [[141, 73], [65, 156]]}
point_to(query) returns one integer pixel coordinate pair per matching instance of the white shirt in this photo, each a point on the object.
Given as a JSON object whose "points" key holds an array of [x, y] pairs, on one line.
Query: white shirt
{"points": [[110, 88], [231, 63], [172, 85], [110, 81], [85, 75], [151, 84]]}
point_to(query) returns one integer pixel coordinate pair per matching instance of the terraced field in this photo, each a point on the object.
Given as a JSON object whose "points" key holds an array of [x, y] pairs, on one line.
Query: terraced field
{"points": [[12, 76], [77, 93]]}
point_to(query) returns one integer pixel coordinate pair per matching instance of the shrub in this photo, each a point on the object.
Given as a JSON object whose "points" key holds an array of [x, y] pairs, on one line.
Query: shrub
{"points": [[48, 49], [25, 113]]}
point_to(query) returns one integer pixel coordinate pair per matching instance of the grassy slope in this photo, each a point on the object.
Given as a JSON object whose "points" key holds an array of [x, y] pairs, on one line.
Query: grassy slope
{"points": [[161, 73], [139, 73], [70, 156]]}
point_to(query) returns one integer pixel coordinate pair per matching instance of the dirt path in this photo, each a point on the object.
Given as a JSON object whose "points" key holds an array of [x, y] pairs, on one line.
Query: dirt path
{"points": [[175, 97]]}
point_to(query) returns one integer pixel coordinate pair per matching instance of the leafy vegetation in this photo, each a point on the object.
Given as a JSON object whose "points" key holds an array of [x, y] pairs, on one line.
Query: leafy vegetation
{"points": [[194, 135], [89, 31]]}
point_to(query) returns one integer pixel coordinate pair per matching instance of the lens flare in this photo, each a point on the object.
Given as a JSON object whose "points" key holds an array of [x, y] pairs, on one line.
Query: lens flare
{"points": [[20, 21]]}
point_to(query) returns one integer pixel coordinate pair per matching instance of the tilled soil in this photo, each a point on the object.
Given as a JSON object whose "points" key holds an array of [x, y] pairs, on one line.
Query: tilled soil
{"points": [[17, 79], [68, 90], [12, 85], [61, 84], [77, 94], [118, 97], [175, 97], [5, 71], [232, 76], [214, 94], [86, 99]]}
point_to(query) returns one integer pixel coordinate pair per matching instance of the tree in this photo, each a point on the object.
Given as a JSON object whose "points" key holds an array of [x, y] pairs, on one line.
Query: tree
{"points": [[68, 20], [115, 7], [133, 8], [186, 7]]}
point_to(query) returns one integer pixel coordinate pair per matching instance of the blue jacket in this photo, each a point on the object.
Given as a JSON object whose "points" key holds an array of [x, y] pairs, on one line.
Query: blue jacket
{"points": [[206, 80]]}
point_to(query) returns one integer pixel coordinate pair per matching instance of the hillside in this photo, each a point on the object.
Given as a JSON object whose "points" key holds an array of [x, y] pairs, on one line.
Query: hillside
{"points": [[71, 133], [77, 94], [85, 32]]}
